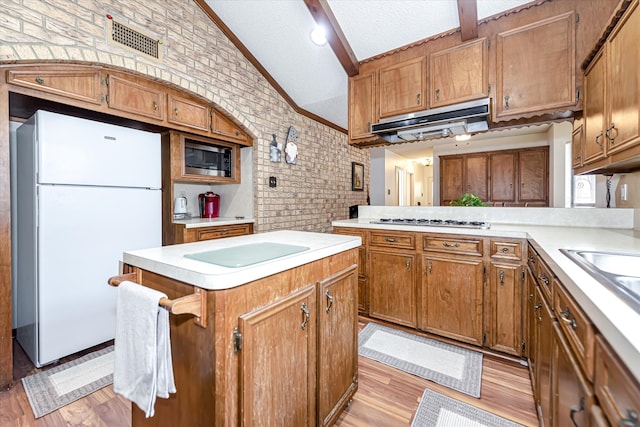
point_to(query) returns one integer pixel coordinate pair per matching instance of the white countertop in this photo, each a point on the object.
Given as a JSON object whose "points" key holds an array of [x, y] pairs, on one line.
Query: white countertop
{"points": [[197, 222], [170, 261], [612, 316]]}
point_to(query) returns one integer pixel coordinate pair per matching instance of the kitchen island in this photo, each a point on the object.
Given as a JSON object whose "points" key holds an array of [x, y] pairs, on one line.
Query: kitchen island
{"points": [[275, 342]]}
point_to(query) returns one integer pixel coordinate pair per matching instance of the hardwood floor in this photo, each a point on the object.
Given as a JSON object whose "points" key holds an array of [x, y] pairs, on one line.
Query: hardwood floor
{"points": [[386, 397]]}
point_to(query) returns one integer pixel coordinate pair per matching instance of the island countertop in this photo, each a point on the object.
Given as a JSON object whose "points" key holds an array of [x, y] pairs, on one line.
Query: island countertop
{"points": [[170, 261]]}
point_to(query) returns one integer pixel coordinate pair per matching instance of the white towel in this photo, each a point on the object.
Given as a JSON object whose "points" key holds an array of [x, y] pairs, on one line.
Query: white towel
{"points": [[143, 367]]}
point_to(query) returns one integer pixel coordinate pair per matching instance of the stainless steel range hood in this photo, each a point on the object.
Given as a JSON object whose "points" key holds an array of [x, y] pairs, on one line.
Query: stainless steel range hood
{"points": [[468, 117]]}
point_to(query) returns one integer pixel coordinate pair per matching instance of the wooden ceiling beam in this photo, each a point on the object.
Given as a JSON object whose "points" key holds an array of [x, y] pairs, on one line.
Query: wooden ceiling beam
{"points": [[323, 15], [468, 14]]}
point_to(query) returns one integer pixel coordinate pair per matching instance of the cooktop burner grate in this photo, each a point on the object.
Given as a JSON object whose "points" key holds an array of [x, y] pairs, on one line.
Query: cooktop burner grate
{"points": [[433, 222]]}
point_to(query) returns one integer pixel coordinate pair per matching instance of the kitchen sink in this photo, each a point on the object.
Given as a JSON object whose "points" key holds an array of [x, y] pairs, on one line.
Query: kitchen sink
{"points": [[620, 272]]}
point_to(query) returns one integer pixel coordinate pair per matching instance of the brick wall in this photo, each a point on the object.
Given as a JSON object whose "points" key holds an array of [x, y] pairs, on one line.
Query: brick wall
{"points": [[198, 57]]}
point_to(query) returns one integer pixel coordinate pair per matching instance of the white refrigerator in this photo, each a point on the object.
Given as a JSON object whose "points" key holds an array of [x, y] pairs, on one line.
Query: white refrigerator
{"points": [[87, 191]]}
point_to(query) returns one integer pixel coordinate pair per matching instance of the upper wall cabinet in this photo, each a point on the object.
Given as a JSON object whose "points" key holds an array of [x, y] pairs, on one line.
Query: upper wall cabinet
{"points": [[536, 67], [361, 106], [81, 85], [131, 96], [458, 74], [402, 88], [612, 100], [223, 128], [189, 113]]}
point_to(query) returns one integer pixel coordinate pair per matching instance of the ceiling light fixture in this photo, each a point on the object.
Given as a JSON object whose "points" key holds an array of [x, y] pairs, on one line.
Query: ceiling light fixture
{"points": [[463, 137], [318, 36]]}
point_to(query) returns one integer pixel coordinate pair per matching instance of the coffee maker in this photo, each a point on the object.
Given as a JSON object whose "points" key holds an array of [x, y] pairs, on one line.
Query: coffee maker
{"points": [[209, 203]]}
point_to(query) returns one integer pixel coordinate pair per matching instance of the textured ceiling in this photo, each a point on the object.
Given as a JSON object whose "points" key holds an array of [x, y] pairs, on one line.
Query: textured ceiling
{"points": [[277, 33]]}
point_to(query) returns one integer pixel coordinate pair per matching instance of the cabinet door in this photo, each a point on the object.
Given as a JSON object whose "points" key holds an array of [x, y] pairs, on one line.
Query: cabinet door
{"points": [[544, 334], [402, 88], [392, 289], [337, 343], [225, 129], [536, 67], [361, 105], [476, 176], [593, 148], [458, 74], [450, 179], [185, 112], [131, 97], [572, 394], [577, 141], [531, 320], [504, 330], [278, 375], [623, 83], [81, 85], [502, 170], [533, 168], [452, 298]]}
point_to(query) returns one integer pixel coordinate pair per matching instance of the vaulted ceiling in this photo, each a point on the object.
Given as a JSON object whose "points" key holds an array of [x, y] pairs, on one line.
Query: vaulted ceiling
{"points": [[275, 36]]}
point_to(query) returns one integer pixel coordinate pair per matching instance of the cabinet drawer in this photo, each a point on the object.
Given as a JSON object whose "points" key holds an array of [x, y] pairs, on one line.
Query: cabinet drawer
{"points": [[576, 327], [617, 392], [210, 233], [393, 240], [501, 249], [544, 278], [359, 232], [532, 261], [81, 85], [456, 245]]}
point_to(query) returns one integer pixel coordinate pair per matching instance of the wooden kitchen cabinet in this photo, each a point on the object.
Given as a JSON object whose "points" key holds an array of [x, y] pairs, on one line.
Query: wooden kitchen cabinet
{"points": [[278, 382], [476, 175], [392, 286], [337, 343], [79, 84], [536, 67], [361, 106], [451, 179], [577, 144], [198, 234], [544, 355], [136, 98], [617, 392], [459, 74], [188, 113], [452, 297], [223, 128], [503, 167], [363, 283], [572, 393], [594, 114], [504, 308], [402, 88], [533, 176]]}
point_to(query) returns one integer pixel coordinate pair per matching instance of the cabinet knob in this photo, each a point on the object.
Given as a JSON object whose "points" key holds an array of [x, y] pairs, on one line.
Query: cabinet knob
{"points": [[408, 262], [155, 106], [505, 250], [39, 80], [631, 420], [430, 266], [175, 111], [437, 94], [417, 99], [501, 276]]}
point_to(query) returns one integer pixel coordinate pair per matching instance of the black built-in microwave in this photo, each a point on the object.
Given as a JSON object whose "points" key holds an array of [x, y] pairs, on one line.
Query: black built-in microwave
{"points": [[207, 159]]}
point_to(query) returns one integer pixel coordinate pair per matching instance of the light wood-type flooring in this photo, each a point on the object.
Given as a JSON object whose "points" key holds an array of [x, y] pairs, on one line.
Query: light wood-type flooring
{"points": [[386, 397]]}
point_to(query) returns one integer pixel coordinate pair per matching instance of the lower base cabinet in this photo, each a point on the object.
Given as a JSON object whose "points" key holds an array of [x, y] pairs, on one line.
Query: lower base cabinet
{"points": [[504, 308], [544, 331], [452, 298]]}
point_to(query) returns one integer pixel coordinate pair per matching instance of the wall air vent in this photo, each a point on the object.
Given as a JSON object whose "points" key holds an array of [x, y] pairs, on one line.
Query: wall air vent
{"points": [[135, 40]]}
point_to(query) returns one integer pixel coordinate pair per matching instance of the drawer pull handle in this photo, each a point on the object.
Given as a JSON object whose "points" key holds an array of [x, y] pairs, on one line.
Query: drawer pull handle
{"points": [[576, 408], [532, 260], [329, 300], [390, 239], [39, 80], [449, 245], [305, 312], [608, 133], [505, 250], [598, 136], [630, 421], [566, 317], [544, 279]]}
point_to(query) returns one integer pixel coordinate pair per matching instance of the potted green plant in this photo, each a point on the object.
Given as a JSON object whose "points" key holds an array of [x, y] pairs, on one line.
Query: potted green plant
{"points": [[468, 199]]}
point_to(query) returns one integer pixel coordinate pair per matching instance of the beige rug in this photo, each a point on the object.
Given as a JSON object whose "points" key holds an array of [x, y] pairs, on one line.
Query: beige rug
{"points": [[436, 410], [451, 366], [56, 387]]}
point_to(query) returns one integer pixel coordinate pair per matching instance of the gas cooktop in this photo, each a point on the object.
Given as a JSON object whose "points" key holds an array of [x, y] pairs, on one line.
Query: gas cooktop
{"points": [[433, 222]]}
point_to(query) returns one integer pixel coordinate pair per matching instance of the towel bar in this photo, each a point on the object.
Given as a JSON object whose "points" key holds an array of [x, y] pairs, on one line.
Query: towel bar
{"points": [[195, 304]]}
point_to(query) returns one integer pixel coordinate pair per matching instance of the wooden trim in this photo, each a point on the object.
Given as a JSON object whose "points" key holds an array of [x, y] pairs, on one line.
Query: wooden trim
{"points": [[6, 354], [468, 15], [252, 59], [323, 15]]}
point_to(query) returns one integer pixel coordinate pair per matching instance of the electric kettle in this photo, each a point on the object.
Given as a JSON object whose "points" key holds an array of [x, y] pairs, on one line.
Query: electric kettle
{"points": [[209, 205], [180, 205]]}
